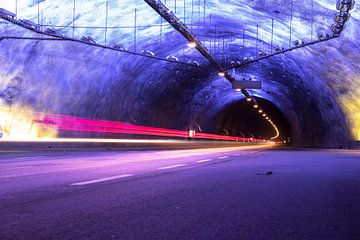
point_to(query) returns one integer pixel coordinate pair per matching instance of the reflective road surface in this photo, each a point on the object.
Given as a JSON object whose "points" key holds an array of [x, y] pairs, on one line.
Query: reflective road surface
{"points": [[254, 192]]}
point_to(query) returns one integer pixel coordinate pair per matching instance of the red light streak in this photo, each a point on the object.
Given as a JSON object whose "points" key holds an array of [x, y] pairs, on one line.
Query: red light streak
{"points": [[70, 123]]}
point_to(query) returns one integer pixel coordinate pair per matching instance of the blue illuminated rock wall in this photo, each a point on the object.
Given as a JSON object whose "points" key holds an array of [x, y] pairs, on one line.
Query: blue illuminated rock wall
{"points": [[315, 87]]}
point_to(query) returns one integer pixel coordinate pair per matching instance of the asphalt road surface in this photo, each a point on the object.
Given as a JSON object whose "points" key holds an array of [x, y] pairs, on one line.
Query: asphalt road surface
{"points": [[226, 193]]}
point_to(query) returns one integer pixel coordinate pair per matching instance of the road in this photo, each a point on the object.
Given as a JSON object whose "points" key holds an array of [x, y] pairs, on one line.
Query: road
{"points": [[222, 193]]}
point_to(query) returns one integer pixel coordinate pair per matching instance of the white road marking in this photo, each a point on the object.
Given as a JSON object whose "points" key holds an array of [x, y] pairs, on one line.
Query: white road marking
{"points": [[204, 160], [31, 157], [223, 157], [14, 168], [172, 166], [102, 179], [238, 154]]}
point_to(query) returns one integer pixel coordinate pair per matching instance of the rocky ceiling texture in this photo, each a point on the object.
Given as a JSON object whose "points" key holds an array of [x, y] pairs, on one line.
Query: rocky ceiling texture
{"points": [[316, 88]]}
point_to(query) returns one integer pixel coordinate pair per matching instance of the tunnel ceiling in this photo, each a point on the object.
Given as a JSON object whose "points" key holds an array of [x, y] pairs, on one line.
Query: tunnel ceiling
{"points": [[316, 88]]}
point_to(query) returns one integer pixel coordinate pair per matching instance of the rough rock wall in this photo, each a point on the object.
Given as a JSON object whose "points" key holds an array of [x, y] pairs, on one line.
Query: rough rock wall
{"points": [[317, 88]]}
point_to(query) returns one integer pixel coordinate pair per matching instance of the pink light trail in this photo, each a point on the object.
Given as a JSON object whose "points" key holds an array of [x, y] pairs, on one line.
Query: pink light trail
{"points": [[71, 123]]}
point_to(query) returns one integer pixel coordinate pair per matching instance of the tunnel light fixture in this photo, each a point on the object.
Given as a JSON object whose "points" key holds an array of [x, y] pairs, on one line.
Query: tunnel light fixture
{"points": [[248, 99], [221, 74], [192, 44], [256, 106], [267, 118], [264, 115], [238, 89], [260, 111], [341, 17]]}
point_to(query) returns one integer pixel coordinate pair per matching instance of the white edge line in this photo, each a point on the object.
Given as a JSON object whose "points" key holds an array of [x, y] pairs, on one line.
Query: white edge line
{"points": [[14, 167], [204, 160], [172, 166], [30, 157], [102, 179], [223, 157]]}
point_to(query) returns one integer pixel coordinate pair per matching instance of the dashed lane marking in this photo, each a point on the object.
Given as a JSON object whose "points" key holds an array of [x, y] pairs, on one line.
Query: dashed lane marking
{"points": [[14, 168], [102, 179], [33, 157], [223, 157], [172, 166], [204, 160], [238, 154]]}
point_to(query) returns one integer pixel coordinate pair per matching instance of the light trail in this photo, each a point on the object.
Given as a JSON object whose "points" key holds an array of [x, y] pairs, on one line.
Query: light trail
{"points": [[71, 123], [90, 140]]}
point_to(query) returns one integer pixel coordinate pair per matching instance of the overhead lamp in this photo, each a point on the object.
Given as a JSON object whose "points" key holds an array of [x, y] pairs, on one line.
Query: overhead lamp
{"points": [[267, 118], [221, 74], [256, 106], [192, 44], [260, 111], [264, 115], [248, 99], [238, 89]]}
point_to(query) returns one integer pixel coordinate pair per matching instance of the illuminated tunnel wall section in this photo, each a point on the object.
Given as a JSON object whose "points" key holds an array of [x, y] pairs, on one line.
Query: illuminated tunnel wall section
{"points": [[314, 87]]}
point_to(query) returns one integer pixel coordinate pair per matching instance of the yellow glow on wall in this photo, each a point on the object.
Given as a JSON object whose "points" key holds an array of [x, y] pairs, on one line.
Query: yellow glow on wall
{"points": [[352, 111], [350, 104], [16, 122]]}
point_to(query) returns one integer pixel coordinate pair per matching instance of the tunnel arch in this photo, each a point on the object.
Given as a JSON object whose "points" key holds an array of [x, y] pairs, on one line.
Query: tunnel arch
{"points": [[239, 118], [303, 84]]}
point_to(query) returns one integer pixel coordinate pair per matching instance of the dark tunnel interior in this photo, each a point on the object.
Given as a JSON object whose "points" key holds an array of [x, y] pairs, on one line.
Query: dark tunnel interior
{"points": [[242, 119]]}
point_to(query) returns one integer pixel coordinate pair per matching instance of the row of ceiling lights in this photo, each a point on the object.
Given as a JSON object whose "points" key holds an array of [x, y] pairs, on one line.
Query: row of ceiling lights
{"points": [[250, 99], [256, 105], [193, 44], [56, 33], [263, 114], [119, 46], [344, 6]]}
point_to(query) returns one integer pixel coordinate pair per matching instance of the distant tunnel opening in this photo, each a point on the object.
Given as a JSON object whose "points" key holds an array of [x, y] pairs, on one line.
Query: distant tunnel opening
{"points": [[242, 119]]}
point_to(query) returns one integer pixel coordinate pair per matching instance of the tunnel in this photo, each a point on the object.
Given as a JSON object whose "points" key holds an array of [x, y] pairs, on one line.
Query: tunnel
{"points": [[179, 119], [241, 119], [310, 93]]}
